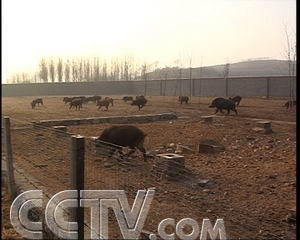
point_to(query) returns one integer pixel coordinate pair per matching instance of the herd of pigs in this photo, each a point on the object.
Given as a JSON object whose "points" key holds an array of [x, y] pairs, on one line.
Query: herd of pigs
{"points": [[140, 101], [131, 136], [77, 102]]}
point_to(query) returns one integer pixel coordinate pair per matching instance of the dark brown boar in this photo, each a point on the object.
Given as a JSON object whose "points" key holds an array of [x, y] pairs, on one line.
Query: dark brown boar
{"points": [[182, 99], [103, 103], [139, 102], [236, 100], [123, 136]]}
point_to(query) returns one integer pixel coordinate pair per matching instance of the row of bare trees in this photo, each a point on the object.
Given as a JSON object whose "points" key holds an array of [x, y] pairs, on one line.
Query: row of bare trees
{"points": [[81, 70]]}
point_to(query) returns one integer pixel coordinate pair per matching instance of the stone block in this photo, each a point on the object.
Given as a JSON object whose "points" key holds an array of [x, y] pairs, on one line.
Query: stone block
{"points": [[169, 165]]}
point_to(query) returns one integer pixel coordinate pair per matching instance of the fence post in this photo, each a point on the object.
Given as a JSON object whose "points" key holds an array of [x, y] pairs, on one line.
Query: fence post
{"points": [[268, 88], [2, 220], [191, 90], [166, 78], [161, 86], [180, 82], [145, 90], [193, 87], [226, 87], [77, 180], [200, 87], [9, 160]]}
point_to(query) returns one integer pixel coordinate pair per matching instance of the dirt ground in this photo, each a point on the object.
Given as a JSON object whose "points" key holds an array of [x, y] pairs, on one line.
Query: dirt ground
{"points": [[54, 108], [8, 233], [253, 180]]}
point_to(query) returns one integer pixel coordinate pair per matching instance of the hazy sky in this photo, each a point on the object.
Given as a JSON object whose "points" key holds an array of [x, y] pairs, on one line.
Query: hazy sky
{"points": [[207, 31]]}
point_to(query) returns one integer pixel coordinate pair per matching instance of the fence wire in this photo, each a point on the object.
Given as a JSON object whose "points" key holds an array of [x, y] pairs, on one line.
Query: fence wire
{"points": [[43, 153], [109, 167]]}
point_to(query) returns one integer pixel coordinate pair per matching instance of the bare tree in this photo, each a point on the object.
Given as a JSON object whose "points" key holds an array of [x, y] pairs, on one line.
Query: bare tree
{"points": [[14, 79], [18, 78], [143, 71], [136, 72], [59, 70], [111, 73], [96, 69], [87, 74], [74, 71], [35, 77], [43, 74], [91, 72], [80, 70], [67, 71], [126, 72], [115, 70], [52, 71], [121, 69], [25, 78], [104, 71], [130, 65]]}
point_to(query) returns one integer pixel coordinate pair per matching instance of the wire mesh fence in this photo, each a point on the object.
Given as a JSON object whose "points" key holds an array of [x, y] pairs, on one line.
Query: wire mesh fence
{"points": [[44, 153], [112, 167]]}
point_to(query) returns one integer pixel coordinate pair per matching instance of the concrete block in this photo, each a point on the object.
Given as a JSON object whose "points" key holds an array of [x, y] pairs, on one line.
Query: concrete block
{"points": [[116, 119], [169, 166]]}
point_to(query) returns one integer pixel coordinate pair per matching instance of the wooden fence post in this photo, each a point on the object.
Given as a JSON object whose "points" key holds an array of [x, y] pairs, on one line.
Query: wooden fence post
{"points": [[77, 180], [9, 160]]}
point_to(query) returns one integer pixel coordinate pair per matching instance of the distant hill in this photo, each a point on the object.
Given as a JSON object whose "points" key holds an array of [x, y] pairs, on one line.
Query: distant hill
{"points": [[251, 68]]}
